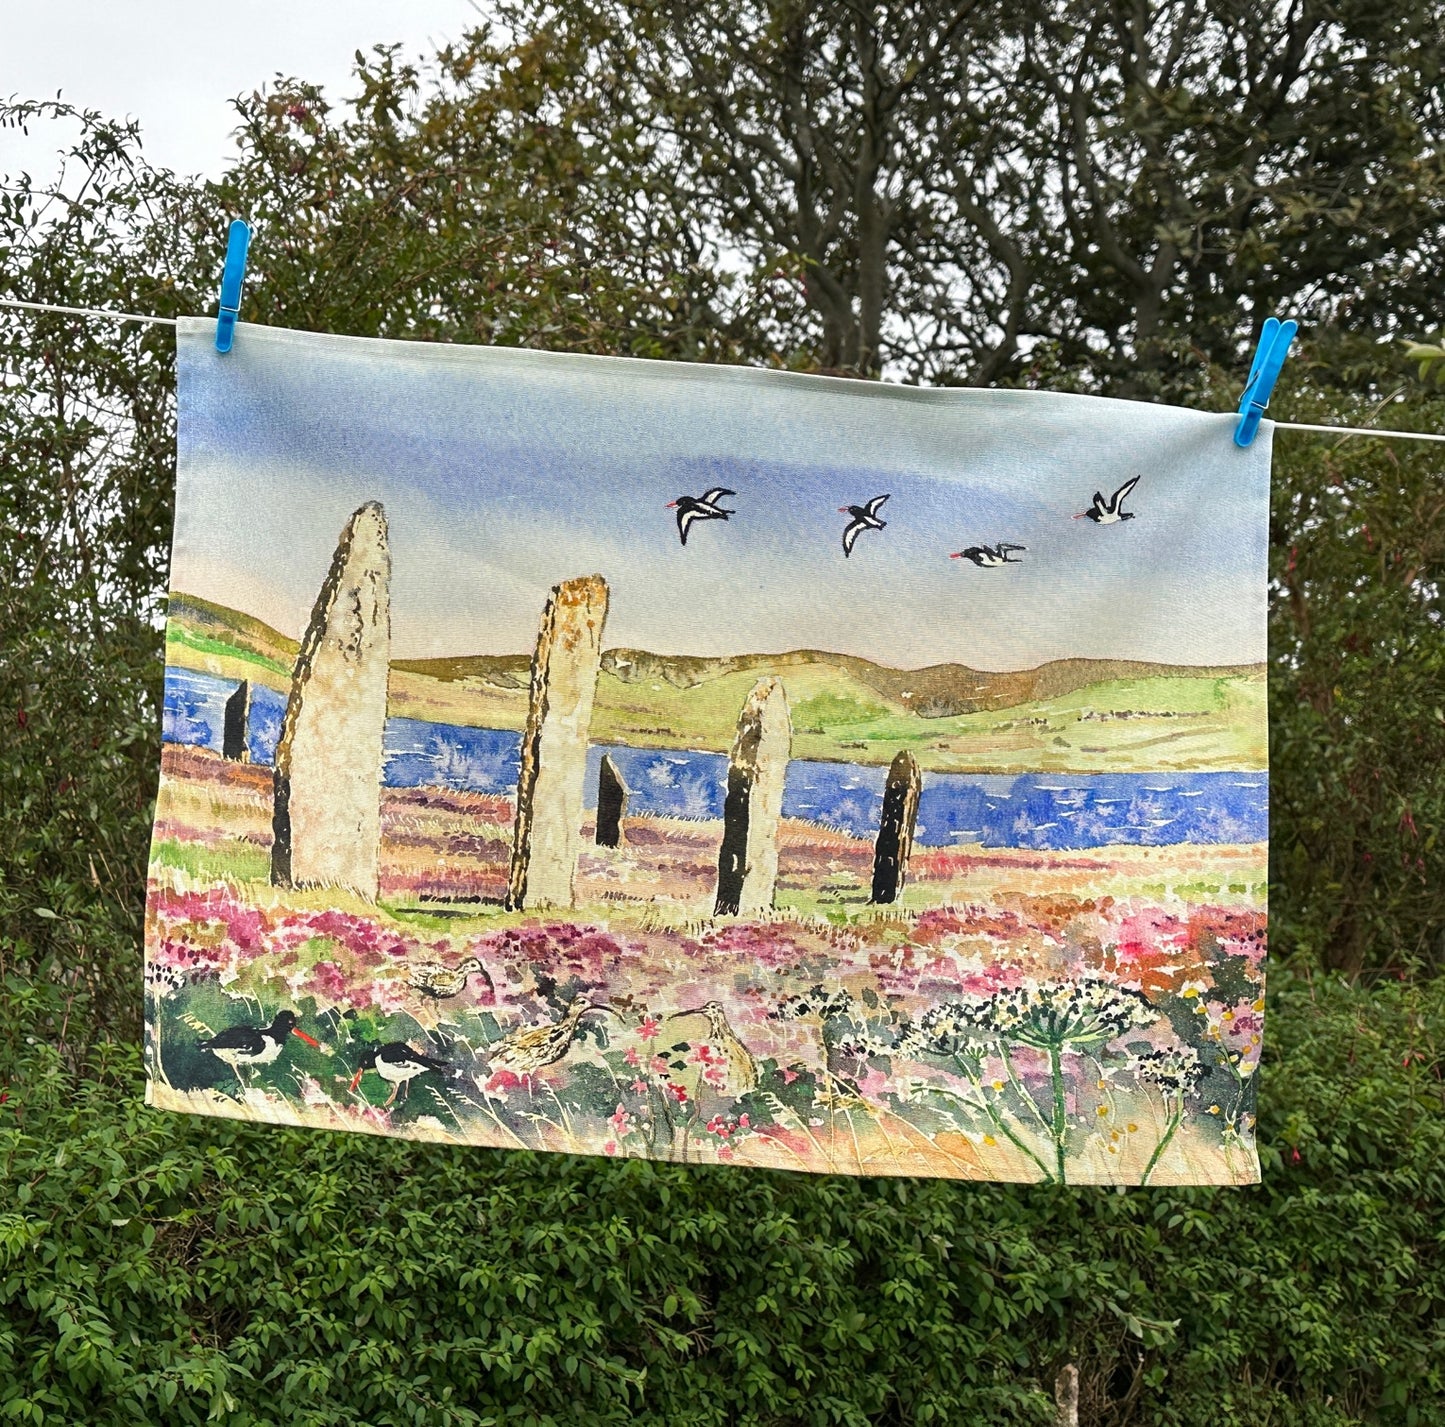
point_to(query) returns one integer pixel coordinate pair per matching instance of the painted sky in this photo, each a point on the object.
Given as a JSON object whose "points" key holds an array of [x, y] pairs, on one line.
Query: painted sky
{"points": [[504, 471]]}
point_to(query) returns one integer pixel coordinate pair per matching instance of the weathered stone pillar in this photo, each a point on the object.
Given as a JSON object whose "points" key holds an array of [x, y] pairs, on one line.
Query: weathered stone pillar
{"points": [[547, 835], [234, 726], [747, 864], [895, 828], [611, 803], [327, 813]]}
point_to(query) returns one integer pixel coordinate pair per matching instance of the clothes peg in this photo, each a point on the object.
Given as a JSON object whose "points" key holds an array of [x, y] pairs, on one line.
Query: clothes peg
{"points": [[1264, 371], [232, 276]]}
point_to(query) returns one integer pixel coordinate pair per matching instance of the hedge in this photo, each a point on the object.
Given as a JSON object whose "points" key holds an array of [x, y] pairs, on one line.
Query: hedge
{"points": [[164, 1269]]}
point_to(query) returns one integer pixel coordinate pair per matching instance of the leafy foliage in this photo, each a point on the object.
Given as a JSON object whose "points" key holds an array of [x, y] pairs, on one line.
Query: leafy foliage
{"points": [[162, 1268], [534, 186]]}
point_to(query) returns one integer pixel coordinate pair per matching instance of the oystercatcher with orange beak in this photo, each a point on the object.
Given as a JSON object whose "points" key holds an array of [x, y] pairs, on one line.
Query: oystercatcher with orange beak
{"points": [[397, 1064], [244, 1046], [699, 507], [989, 557]]}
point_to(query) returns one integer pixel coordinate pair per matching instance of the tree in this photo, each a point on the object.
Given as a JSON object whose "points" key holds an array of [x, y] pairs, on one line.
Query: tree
{"points": [[493, 196], [1128, 188]]}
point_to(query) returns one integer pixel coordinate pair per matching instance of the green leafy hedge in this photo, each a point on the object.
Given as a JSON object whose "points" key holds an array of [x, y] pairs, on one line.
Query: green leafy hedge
{"points": [[156, 1268]]}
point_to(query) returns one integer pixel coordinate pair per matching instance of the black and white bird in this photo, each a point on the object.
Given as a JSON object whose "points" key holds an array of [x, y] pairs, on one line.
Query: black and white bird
{"points": [[244, 1046], [1108, 512], [699, 507], [861, 517], [397, 1064], [989, 557]]}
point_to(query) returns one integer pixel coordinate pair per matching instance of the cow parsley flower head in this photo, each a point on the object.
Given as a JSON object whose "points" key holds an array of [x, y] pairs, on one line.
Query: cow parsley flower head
{"points": [[1056, 1014], [818, 1001], [1175, 1069]]}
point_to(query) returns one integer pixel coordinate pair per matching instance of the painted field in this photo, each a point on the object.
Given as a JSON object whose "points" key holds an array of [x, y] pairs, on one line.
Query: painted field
{"points": [[1070, 716], [1017, 1015]]}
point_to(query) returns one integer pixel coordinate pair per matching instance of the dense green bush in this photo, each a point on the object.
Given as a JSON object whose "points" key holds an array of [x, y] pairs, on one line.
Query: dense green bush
{"points": [[163, 1269], [160, 1269]]}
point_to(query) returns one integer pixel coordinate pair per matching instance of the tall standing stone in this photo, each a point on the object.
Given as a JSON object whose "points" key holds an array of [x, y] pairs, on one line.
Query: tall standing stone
{"points": [[547, 836], [747, 864], [611, 803], [235, 723], [894, 845], [327, 813]]}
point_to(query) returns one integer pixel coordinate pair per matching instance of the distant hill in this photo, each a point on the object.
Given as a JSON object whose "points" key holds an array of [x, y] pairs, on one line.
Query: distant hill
{"points": [[1069, 714], [938, 691]]}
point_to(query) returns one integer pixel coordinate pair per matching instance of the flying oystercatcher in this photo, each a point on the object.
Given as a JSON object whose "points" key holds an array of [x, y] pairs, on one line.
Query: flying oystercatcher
{"points": [[1107, 512], [699, 507], [439, 982], [242, 1046], [863, 517], [989, 557], [397, 1064]]}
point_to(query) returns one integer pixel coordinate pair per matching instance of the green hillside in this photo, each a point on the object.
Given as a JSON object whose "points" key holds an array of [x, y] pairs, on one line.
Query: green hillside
{"points": [[1070, 715]]}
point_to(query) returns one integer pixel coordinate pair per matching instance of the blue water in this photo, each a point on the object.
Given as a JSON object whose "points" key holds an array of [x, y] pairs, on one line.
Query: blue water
{"points": [[1058, 811]]}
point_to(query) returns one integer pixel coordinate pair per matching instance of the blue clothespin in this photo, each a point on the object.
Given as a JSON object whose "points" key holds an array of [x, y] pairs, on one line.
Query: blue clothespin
{"points": [[1263, 373], [232, 276]]}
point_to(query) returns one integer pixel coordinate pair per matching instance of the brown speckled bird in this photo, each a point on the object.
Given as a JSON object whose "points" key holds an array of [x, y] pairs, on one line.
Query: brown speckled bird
{"points": [[440, 982], [742, 1072], [532, 1048]]}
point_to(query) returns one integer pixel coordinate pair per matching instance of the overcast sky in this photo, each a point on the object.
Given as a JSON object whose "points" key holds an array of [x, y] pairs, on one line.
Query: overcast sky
{"points": [[503, 471], [176, 64]]}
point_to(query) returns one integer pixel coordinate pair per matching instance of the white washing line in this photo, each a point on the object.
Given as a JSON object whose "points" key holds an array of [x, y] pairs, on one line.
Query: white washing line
{"points": [[171, 322]]}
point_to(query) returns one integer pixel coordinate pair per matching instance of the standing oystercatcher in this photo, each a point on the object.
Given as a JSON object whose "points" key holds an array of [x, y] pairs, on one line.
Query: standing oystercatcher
{"points": [[1107, 512], [253, 1045], [699, 507], [989, 557], [397, 1064], [863, 517]]}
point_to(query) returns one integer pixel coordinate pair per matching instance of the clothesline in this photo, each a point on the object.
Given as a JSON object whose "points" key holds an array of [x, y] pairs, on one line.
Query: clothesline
{"points": [[171, 322]]}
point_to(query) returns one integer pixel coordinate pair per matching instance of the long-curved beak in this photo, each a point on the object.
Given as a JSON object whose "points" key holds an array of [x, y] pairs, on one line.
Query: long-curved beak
{"points": [[673, 1015], [297, 1031]]}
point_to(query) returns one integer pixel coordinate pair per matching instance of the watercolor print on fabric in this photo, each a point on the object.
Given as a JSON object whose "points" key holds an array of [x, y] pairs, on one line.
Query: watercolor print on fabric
{"points": [[639, 759]]}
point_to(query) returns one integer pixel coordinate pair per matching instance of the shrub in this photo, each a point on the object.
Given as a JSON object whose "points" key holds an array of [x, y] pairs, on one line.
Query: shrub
{"points": [[158, 1268]]}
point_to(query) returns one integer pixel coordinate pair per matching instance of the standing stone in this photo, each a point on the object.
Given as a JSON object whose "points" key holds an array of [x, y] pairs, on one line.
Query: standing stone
{"points": [[327, 813], [547, 836], [747, 864], [234, 726], [895, 829], [611, 803]]}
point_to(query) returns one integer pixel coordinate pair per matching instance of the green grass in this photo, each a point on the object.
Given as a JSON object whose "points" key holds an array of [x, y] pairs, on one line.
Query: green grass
{"points": [[228, 858], [180, 637], [1151, 724]]}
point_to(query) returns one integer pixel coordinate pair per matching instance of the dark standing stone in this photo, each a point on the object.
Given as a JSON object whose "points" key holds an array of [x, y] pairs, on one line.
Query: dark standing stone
{"points": [[233, 730], [611, 803], [747, 864], [895, 830]]}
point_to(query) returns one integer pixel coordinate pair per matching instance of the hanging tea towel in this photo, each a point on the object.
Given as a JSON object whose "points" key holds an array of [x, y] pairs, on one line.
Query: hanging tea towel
{"points": [[695, 763]]}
